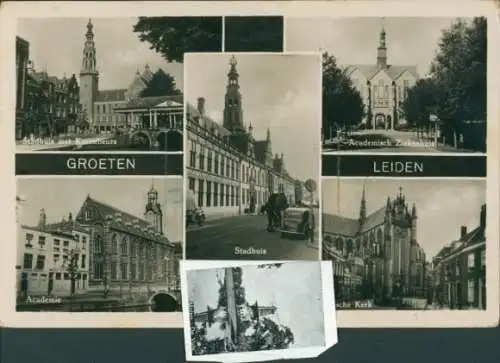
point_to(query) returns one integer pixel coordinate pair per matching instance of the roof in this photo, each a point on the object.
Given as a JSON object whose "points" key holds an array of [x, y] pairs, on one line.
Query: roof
{"points": [[471, 238], [206, 121], [340, 225], [123, 221], [349, 227], [151, 102], [64, 228], [375, 219], [370, 70], [112, 95]]}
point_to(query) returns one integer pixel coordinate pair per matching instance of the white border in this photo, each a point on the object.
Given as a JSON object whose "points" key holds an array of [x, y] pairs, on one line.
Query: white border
{"points": [[11, 11], [330, 326]]}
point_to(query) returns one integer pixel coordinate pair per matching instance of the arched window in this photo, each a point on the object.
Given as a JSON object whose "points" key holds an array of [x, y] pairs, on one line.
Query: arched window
{"points": [[339, 244], [98, 244], [114, 243], [380, 236], [124, 246], [327, 240]]}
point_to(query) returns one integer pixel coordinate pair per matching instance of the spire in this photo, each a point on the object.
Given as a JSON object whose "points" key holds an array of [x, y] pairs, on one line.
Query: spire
{"points": [[233, 113], [382, 50], [414, 211], [89, 64], [362, 209], [233, 72], [268, 135]]}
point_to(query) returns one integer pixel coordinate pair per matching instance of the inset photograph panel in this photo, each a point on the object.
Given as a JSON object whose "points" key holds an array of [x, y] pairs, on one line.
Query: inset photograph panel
{"points": [[382, 93], [99, 244], [78, 88], [253, 156], [406, 244], [250, 311]]}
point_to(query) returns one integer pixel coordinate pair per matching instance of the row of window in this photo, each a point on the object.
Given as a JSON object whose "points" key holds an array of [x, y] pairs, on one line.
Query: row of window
{"points": [[106, 107], [135, 249], [454, 268], [138, 272], [79, 261], [42, 241], [56, 276], [211, 161]]}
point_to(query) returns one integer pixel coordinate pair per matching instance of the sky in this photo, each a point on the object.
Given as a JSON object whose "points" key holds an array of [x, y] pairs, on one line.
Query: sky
{"points": [[59, 196], [294, 288], [56, 45], [282, 92], [443, 206], [410, 41]]}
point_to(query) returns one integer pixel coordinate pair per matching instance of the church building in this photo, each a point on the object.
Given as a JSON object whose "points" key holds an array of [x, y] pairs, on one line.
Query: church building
{"points": [[130, 108], [229, 170], [378, 249], [383, 88], [126, 250]]}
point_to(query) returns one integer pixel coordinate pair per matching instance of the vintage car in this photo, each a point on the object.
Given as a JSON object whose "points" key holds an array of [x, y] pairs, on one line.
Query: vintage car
{"points": [[298, 221]]}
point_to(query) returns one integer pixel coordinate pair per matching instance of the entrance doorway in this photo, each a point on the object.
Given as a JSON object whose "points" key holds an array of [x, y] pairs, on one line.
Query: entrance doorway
{"points": [[380, 121]]}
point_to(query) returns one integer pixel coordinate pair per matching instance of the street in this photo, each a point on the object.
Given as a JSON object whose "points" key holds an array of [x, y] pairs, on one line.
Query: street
{"points": [[387, 141], [245, 237]]}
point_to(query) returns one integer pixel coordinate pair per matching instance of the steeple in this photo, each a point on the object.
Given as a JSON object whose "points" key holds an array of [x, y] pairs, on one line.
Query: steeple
{"points": [[362, 209], [89, 76], [89, 64], [233, 114], [382, 50], [268, 135], [153, 213]]}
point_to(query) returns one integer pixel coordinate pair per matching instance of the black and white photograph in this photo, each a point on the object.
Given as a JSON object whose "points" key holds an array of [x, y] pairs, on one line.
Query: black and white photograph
{"points": [[253, 308], [98, 244], [406, 244], [252, 160], [79, 88], [399, 84]]}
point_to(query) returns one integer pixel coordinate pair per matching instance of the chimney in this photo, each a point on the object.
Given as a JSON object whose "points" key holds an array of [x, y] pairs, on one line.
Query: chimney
{"points": [[201, 106], [482, 219], [463, 232], [42, 221]]}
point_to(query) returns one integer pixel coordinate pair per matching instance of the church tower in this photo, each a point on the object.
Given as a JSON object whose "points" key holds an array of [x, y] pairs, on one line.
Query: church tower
{"points": [[89, 76], [382, 51], [362, 209], [233, 113], [153, 213], [269, 149]]}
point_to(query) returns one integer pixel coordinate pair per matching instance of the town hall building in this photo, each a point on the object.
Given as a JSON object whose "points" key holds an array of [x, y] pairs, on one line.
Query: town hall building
{"points": [[383, 88], [378, 249], [228, 170]]}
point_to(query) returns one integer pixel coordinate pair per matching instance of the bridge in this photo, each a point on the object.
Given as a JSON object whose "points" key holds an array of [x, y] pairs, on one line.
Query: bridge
{"points": [[158, 139]]}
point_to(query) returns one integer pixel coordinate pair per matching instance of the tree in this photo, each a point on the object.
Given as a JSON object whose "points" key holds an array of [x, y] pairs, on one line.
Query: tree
{"points": [[173, 36], [253, 34], [81, 121], [459, 70], [161, 84], [342, 103], [422, 101], [72, 268]]}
